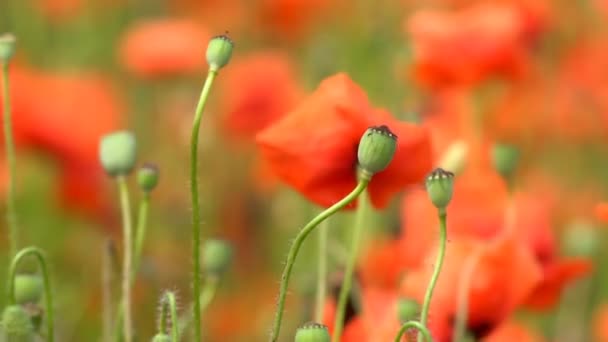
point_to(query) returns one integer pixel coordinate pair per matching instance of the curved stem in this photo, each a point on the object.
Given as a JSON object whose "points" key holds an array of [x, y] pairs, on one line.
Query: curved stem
{"points": [[169, 308], [321, 271], [441, 253], [11, 211], [350, 266], [127, 258], [196, 215], [295, 248], [140, 233], [414, 325], [48, 294]]}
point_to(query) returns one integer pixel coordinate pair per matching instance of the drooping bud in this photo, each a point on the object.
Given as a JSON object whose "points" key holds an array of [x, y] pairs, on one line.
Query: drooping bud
{"points": [[505, 158], [219, 51], [28, 288], [160, 337], [117, 153], [17, 325], [440, 186], [580, 238], [7, 46], [407, 309], [376, 150], [312, 332], [147, 177], [217, 256], [454, 159]]}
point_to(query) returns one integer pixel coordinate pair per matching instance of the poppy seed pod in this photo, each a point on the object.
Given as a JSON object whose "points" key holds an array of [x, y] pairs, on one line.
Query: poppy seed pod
{"points": [[28, 288], [117, 153], [17, 325], [160, 337], [505, 158], [217, 256], [219, 52], [147, 177], [376, 150], [7, 46], [407, 309], [312, 332], [440, 186]]}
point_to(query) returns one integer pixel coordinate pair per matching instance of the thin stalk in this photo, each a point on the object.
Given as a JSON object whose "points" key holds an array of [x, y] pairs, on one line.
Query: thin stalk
{"points": [[462, 297], [347, 282], [321, 271], [168, 312], [440, 255], [127, 258], [140, 232], [209, 290], [107, 278], [414, 325], [48, 294], [11, 211], [196, 215], [295, 248]]}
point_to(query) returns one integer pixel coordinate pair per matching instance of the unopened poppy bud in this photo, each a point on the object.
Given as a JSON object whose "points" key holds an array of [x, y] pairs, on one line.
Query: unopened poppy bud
{"points": [[505, 158], [219, 51], [160, 337], [407, 309], [7, 46], [147, 177], [440, 186], [17, 325], [454, 159], [117, 153], [217, 256], [312, 332], [580, 238], [376, 150], [28, 288]]}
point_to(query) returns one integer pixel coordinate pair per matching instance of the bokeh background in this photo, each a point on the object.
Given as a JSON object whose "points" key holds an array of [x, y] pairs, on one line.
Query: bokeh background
{"points": [[533, 73]]}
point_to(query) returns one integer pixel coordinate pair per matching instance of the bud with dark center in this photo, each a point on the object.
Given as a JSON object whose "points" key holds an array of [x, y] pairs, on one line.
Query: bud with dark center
{"points": [[376, 150], [312, 332], [219, 51], [440, 186]]}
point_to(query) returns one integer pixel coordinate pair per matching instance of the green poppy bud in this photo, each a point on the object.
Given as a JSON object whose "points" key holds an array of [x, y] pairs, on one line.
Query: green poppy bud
{"points": [[580, 238], [376, 150], [505, 158], [440, 186], [17, 325], [147, 177], [117, 152], [407, 309], [7, 46], [217, 256], [219, 52], [312, 332], [28, 288], [160, 337]]}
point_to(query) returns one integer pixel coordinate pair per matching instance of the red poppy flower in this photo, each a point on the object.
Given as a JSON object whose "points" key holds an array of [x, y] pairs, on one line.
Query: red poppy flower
{"points": [[256, 91], [601, 212], [291, 18], [467, 46], [511, 331], [505, 274], [314, 148], [164, 47]]}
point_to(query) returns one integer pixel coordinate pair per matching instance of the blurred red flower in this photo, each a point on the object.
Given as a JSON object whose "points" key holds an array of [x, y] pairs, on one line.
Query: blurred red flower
{"points": [[164, 47], [256, 91], [314, 148], [505, 274], [511, 331], [469, 45], [600, 323], [64, 115], [291, 19]]}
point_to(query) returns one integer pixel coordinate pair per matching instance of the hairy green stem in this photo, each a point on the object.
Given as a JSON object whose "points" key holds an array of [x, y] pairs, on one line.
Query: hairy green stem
{"points": [[424, 332], [196, 215], [168, 311], [11, 211], [209, 289], [48, 294], [295, 248], [127, 270], [321, 271], [350, 266], [439, 262]]}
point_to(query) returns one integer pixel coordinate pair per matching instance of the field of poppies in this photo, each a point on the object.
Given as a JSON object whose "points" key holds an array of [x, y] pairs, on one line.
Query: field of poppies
{"points": [[304, 170]]}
